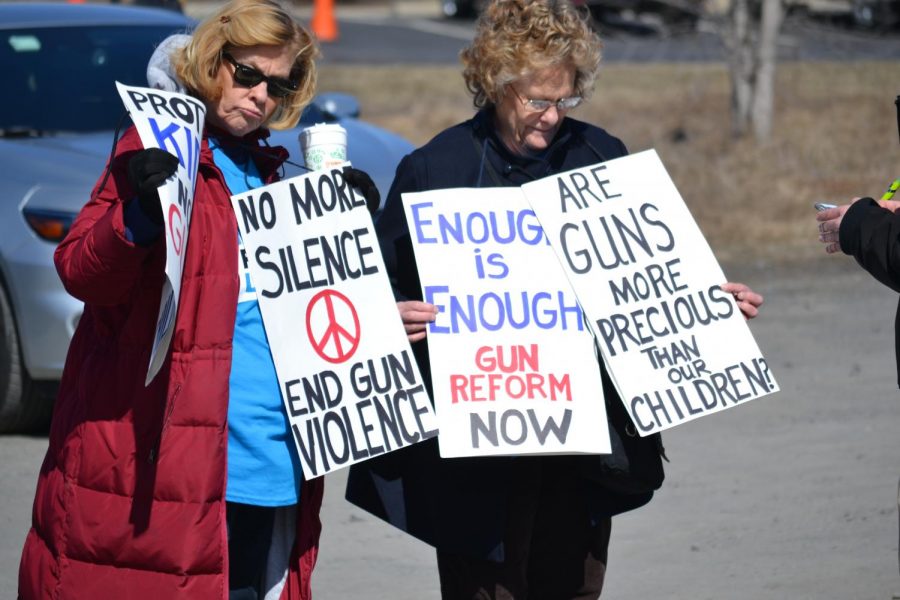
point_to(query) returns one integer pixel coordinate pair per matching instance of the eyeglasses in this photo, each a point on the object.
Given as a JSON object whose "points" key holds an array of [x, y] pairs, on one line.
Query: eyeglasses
{"points": [[246, 76], [561, 105]]}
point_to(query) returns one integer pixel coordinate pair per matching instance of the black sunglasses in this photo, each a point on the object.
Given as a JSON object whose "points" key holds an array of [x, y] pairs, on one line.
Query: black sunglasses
{"points": [[246, 76]]}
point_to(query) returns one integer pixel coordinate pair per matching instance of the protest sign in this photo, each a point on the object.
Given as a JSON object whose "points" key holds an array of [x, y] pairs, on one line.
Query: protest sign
{"points": [[513, 366], [348, 378], [676, 345], [171, 122]]}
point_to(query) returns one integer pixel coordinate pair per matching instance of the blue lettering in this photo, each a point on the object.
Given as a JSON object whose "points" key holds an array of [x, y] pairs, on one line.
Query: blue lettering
{"points": [[538, 298], [166, 135], [534, 229], [165, 139], [478, 219], [477, 228], [493, 311], [419, 221], [455, 229], [495, 299], [430, 292]]}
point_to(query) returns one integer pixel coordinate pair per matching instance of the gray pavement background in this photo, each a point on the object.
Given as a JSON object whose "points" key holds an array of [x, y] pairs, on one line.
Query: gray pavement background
{"points": [[789, 497]]}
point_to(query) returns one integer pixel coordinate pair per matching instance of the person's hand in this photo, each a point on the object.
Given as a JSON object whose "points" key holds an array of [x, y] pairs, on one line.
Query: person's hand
{"points": [[891, 205], [147, 170], [361, 181], [416, 316], [830, 226], [747, 300], [830, 223]]}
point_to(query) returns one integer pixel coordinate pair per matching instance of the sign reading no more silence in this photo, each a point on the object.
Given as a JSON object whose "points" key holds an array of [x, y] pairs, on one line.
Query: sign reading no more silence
{"points": [[348, 379]]}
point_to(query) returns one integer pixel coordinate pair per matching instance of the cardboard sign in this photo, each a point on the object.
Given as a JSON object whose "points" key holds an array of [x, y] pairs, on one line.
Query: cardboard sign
{"points": [[513, 366], [171, 122], [347, 375], [676, 345]]}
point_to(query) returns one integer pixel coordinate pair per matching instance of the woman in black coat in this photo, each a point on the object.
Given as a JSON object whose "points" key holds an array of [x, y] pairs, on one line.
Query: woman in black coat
{"points": [[504, 527]]}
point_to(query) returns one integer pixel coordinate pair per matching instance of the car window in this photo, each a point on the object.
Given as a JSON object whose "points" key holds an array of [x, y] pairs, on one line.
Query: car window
{"points": [[63, 79]]}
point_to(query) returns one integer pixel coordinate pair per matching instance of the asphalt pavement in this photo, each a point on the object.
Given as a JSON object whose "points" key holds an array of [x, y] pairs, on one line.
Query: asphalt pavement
{"points": [[790, 497]]}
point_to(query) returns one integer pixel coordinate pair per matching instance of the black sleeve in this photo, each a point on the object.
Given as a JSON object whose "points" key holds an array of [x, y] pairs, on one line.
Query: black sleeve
{"points": [[393, 234], [871, 234]]}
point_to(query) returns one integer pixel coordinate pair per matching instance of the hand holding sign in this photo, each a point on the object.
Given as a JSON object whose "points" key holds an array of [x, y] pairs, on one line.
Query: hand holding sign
{"points": [[361, 181], [147, 170], [747, 300], [416, 316]]}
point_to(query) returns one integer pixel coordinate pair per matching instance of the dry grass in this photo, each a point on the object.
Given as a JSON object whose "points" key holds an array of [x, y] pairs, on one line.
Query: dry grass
{"points": [[835, 137]]}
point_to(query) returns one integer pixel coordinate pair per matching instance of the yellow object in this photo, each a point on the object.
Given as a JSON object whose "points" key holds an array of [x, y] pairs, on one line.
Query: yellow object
{"points": [[891, 190]]}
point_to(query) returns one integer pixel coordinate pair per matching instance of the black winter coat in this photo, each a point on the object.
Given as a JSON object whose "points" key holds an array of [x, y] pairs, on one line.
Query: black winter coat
{"points": [[871, 235], [459, 504]]}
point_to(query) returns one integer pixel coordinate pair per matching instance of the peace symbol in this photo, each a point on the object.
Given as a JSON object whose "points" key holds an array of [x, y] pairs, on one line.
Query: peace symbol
{"points": [[340, 337]]}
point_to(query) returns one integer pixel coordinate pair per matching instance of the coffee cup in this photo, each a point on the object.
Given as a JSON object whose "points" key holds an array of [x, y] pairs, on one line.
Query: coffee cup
{"points": [[324, 145]]}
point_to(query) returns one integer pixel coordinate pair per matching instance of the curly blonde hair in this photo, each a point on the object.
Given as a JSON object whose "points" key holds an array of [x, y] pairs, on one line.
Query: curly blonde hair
{"points": [[242, 24], [516, 38]]}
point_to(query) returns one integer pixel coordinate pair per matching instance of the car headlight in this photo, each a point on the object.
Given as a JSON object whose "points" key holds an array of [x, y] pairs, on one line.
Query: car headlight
{"points": [[50, 225]]}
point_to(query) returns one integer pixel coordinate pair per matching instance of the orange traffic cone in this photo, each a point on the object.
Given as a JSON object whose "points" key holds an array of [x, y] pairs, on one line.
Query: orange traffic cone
{"points": [[323, 24]]}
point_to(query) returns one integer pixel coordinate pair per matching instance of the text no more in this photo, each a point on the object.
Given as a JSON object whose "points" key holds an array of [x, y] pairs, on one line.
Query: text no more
{"points": [[313, 262]]}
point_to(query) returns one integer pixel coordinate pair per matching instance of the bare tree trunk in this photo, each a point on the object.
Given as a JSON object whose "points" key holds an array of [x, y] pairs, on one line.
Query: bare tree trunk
{"points": [[752, 42], [763, 111], [740, 45]]}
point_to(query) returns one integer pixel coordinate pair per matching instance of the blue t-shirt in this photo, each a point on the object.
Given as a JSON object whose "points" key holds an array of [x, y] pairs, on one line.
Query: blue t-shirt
{"points": [[263, 466]]}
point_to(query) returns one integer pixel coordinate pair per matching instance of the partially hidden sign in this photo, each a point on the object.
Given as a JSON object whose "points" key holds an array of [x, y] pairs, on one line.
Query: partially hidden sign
{"points": [[347, 375], [677, 347], [174, 123], [513, 365]]}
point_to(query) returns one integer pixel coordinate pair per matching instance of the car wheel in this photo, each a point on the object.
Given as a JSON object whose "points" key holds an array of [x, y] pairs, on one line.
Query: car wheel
{"points": [[25, 405]]}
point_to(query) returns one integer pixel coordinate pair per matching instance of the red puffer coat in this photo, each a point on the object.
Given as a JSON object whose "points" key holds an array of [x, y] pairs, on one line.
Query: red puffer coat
{"points": [[130, 498]]}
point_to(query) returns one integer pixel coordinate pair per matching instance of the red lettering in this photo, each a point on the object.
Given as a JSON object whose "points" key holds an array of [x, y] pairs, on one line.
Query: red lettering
{"points": [[458, 388], [489, 387], [175, 228], [508, 359]]}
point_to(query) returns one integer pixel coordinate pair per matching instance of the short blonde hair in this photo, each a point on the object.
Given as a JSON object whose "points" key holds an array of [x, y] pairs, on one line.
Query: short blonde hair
{"points": [[515, 38], [242, 24]]}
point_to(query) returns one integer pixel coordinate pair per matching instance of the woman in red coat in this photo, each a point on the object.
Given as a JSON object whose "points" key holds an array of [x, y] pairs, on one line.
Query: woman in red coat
{"points": [[154, 492]]}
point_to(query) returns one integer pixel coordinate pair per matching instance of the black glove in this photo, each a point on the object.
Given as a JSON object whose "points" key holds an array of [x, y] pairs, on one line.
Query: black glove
{"points": [[361, 181], [147, 169]]}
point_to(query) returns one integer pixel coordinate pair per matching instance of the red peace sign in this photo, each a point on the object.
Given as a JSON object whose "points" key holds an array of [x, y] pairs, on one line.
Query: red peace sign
{"points": [[337, 343]]}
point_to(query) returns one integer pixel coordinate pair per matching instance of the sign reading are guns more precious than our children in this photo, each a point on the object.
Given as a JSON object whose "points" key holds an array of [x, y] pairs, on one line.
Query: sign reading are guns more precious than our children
{"points": [[676, 345], [348, 379], [513, 365], [174, 123]]}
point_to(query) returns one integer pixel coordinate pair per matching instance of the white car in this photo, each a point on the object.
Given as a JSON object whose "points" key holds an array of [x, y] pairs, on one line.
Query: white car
{"points": [[58, 113]]}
